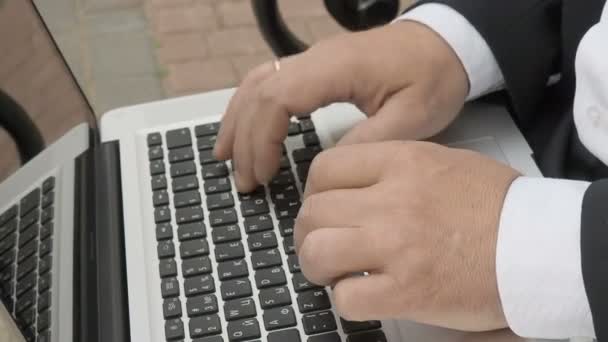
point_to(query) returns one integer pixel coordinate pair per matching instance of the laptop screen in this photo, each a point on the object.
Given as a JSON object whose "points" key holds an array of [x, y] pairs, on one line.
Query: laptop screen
{"points": [[35, 81]]}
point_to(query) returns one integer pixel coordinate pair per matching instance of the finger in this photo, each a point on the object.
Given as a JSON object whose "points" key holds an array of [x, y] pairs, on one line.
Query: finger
{"points": [[395, 120], [304, 83], [348, 167], [335, 208], [329, 254], [238, 103], [364, 298], [242, 155]]}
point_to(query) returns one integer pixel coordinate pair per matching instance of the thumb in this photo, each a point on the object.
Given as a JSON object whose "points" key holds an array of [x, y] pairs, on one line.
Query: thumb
{"points": [[396, 119]]}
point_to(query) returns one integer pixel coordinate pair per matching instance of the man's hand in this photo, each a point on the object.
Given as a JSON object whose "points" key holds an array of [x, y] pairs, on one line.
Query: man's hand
{"points": [[420, 218], [404, 76]]}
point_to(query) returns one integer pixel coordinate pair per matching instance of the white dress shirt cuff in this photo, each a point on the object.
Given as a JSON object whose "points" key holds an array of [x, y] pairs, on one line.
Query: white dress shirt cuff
{"points": [[475, 55], [538, 259]]}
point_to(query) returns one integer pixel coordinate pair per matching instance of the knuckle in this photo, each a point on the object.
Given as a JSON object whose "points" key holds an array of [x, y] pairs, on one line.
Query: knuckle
{"points": [[313, 262]]}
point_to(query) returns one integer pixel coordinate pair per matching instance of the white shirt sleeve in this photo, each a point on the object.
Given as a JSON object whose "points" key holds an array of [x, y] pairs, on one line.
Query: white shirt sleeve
{"points": [[475, 55], [538, 259]]}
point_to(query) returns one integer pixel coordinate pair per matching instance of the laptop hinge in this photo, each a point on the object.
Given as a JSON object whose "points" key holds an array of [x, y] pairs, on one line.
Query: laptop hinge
{"points": [[112, 296]]}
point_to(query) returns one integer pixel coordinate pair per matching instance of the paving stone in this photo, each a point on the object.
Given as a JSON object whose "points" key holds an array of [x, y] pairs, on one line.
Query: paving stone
{"points": [[236, 41], [179, 47], [200, 76], [114, 92], [236, 13], [185, 18]]}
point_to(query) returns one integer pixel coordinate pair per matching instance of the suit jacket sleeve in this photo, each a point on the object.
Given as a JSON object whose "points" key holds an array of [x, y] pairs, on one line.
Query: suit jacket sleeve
{"points": [[524, 36]]}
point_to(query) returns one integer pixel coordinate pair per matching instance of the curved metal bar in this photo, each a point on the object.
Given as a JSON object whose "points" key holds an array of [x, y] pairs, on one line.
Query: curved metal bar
{"points": [[276, 33], [15, 120]]}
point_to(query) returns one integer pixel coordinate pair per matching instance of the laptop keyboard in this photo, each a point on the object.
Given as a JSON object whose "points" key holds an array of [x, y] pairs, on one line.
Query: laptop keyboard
{"points": [[224, 268], [26, 244]]}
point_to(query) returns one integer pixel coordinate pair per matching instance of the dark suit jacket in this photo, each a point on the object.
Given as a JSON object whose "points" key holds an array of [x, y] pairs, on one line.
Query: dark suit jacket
{"points": [[532, 40]]}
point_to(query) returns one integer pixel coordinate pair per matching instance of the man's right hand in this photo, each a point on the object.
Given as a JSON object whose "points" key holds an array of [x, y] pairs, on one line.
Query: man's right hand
{"points": [[404, 77]]}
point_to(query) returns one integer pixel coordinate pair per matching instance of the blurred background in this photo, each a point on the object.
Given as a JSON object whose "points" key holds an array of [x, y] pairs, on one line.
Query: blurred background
{"points": [[125, 52]]}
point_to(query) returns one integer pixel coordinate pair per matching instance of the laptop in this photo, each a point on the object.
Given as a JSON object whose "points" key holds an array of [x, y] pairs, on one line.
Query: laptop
{"points": [[128, 229]]}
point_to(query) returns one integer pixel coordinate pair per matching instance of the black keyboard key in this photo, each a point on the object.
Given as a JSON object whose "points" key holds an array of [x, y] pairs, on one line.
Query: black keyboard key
{"points": [[45, 264], [154, 139], [217, 185], [314, 300], [300, 283], [262, 240], [293, 263], [302, 170], [172, 308], [239, 309], [29, 249], [167, 268], [192, 230], [283, 178], [228, 233], [7, 258], [184, 168], [26, 301], [193, 248], [165, 249], [160, 198], [207, 157], [46, 247], [243, 330], [162, 214], [223, 217], [258, 223], [8, 214], [8, 228], [266, 258], [25, 268], [232, 269], [273, 297], [286, 209], [258, 206], [350, 327], [47, 214], [286, 227], [284, 163], [174, 330], [164, 231], [280, 318], [26, 317], [284, 192], [371, 336], [294, 128], [44, 321], [216, 170], [229, 251], [199, 285], [181, 154], [44, 336], [259, 192], [289, 247], [46, 230], [201, 305], [29, 219], [220, 201], [320, 322], [311, 139], [207, 129], [196, 266], [28, 282], [237, 288], [331, 337], [206, 143], [178, 138], [157, 167], [186, 199], [8, 242], [29, 234], [44, 301], [306, 125], [291, 335], [155, 153], [44, 283], [158, 182], [47, 199], [270, 277], [184, 183], [29, 202], [189, 214], [205, 326], [306, 154]]}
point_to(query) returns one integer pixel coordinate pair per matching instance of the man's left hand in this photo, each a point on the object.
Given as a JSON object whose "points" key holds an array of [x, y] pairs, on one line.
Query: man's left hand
{"points": [[420, 219]]}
